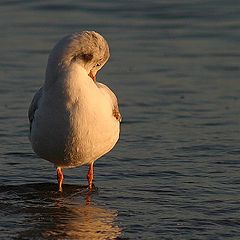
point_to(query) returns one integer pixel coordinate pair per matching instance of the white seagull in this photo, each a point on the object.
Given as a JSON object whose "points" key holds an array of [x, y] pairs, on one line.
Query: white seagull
{"points": [[74, 120]]}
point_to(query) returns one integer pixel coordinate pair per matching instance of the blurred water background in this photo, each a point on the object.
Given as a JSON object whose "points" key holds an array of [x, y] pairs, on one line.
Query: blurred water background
{"points": [[175, 172]]}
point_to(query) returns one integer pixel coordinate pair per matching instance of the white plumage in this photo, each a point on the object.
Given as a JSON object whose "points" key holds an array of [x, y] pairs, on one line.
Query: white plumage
{"points": [[73, 119]]}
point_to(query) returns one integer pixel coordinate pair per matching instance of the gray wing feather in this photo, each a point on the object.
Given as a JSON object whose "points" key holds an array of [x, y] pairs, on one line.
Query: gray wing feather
{"points": [[34, 106]]}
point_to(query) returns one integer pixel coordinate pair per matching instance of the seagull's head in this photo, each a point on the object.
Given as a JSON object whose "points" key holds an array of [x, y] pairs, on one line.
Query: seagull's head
{"points": [[88, 49]]}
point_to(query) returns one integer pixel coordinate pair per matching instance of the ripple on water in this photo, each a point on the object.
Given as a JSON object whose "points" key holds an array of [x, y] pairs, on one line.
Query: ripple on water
{"points": [[37, 210]]}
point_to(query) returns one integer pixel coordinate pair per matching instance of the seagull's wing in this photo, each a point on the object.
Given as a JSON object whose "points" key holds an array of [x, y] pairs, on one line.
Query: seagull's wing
{"points": [[34, 106], [116, 112]]}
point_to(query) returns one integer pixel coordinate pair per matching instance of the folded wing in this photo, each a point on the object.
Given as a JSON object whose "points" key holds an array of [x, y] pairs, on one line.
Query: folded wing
{"points": [[116, 111], [34, 106]]}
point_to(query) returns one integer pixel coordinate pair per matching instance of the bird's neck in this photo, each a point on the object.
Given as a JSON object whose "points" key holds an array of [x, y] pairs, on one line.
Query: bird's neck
{"points": [[57, 73], [70, 84]]}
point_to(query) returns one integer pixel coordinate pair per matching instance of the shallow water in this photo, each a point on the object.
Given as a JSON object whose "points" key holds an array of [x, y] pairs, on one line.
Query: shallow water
{"points": [[175, 172]]}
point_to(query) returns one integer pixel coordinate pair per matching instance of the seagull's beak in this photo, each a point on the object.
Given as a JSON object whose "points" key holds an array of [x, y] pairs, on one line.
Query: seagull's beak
{"points": [[91, 76]]}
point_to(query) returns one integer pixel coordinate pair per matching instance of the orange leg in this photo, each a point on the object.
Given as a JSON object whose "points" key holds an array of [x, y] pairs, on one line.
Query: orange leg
{"points": [[90, 176], [60, 178]]}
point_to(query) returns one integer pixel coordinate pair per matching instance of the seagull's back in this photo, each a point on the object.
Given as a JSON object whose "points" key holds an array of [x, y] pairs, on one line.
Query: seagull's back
{"points": [[72, 120]]}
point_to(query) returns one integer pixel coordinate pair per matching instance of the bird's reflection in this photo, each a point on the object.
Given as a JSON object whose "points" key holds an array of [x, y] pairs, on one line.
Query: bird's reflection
{"points": [[68, 215], [83, 222]]}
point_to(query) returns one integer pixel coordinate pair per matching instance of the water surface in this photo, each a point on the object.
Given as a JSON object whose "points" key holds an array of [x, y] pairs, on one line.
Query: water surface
{"points": [[175, 172]]}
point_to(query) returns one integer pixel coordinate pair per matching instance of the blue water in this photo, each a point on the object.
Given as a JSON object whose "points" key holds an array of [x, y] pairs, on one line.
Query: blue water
{"points": [[175, 172]]}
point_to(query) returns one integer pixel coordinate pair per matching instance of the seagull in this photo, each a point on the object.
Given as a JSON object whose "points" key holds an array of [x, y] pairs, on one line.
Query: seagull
{"points": [[74, 120]]}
